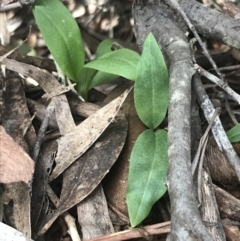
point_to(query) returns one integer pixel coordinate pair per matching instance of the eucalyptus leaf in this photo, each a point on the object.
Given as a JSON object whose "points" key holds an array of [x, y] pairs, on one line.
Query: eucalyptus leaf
{"points": [[122, 62], [147, 174], [151, 88], [61, 34], [234, 133]]}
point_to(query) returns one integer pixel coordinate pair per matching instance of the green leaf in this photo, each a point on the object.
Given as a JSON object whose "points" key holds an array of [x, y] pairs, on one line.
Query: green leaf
{"points": [[84, 80], [104, 47], [234, 133], [102, 78], [147, 174], [122, 62], [61, 34], [89, 78], [151, 88]]}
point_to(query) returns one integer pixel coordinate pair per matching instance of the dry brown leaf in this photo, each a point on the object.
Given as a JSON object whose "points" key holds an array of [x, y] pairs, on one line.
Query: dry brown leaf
{"points": [[85, 174], [15, 164], [78, 140]]}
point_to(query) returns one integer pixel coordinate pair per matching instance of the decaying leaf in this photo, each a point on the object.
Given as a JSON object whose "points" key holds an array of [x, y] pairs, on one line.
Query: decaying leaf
{"points": [[84, 175], [15, 164], [79, 139], [39, 202]]}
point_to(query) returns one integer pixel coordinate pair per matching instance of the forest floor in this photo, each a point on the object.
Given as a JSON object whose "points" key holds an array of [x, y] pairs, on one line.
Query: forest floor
{"points": [[86, 200]]}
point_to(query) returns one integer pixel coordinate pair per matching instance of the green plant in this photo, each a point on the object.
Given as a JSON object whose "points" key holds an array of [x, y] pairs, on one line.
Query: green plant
{"points": [[62, 36], [148, 161], [149, 155]]}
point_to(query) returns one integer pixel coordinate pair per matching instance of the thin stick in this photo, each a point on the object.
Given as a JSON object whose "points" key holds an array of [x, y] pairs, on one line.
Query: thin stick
{"points": [[42, 130], [220, 136], [160, 228], [199, 180], [219, 82], [203, 140], [230, 112], [175, 5]]}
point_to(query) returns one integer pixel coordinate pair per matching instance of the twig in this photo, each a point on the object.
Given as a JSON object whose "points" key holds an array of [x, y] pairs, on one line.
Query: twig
{"points": [[176, 6], [230, 112], [118, 213], [200, 166], [218, 82], [155, 229], [229, 68], [203, 140], [42, 130], [217, 128]]}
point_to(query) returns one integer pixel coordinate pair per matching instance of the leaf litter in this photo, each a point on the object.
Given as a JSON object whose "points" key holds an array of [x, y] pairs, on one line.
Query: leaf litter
{"points": [[84, 175], [73, 144]]}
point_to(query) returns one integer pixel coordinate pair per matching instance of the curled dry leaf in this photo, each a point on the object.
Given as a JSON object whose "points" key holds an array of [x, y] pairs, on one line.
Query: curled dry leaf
{"points": [[15, 164]]}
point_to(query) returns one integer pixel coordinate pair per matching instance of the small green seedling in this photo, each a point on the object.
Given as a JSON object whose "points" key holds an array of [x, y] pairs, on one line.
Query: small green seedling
{"points": [[149, 161], [63, 38]]}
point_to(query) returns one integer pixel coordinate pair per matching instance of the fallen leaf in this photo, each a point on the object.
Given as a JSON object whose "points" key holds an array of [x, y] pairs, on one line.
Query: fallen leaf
{"points": [[15, 164], [84, 175], [74, 143]]}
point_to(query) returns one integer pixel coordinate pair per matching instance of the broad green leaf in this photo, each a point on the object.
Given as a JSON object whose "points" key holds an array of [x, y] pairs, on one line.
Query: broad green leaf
{"points": [[104, 47], [151, 88], [234, 133], [99, 77], [84, 80], [147, 174], [122, 62], [61, 34]]}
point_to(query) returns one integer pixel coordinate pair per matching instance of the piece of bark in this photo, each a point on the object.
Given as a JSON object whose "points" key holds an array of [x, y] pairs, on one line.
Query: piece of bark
{"points": [[15, 116], [232, 232], [93, 215], [186, 220], [209, 209], [228, 205]]}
